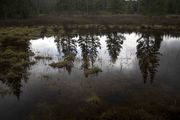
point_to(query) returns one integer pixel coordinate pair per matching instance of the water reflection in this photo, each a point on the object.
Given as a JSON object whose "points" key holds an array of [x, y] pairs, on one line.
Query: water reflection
{"points": [[89, 44], [148, 54], [66, 44], [148, 46], [114, 45], [94, 76], [14, 64], [86, 47], [43, 32]]}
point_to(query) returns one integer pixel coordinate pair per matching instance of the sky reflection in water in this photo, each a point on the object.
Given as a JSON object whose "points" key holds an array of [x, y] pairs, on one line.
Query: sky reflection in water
{"points": [[127, 62]]}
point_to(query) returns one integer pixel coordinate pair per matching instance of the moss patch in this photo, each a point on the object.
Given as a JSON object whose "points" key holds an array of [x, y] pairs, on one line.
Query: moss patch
{"points": [[67, 62], [61, 64], [93, 70]]}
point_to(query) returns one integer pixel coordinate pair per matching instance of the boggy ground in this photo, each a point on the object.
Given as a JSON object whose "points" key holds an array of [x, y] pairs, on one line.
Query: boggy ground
{"points": [[24, 33], [170, 22]]}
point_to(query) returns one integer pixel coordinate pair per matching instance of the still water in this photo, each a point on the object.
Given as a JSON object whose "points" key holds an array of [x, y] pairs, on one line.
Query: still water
{"points": [[138, 77]]}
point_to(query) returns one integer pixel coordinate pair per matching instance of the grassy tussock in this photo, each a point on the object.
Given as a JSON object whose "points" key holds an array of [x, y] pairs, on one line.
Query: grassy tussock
{"points": [[67, 62], [93, 70]]}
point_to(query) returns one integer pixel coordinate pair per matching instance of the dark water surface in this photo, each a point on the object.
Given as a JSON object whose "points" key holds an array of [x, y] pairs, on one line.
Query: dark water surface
{"points": [[139, 79]]}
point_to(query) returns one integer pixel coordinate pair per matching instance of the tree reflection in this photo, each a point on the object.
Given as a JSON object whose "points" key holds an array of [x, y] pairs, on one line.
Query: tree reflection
{"points": [[69, 48], [89, 45], [149, 55], [114, 45], [58, 43], [14, 63], [43, 32], [66, 44]]}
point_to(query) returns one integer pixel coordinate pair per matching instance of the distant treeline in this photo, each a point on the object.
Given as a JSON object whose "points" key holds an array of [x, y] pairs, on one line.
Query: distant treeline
{"points": [[26, 8]]}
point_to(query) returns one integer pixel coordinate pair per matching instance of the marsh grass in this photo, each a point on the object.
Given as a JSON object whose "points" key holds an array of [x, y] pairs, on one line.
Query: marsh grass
{"points": [[93, 70], [61, 64], [24, 33], [14, 52], [17, 33], [67, 62], [108, 19]]}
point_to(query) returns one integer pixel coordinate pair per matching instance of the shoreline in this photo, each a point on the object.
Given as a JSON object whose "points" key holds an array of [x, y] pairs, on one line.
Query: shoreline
{"points": [[135, 22]]}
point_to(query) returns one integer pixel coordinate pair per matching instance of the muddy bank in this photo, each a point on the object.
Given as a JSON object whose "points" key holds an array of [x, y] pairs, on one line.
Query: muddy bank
{"points": [[124, 21]]}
